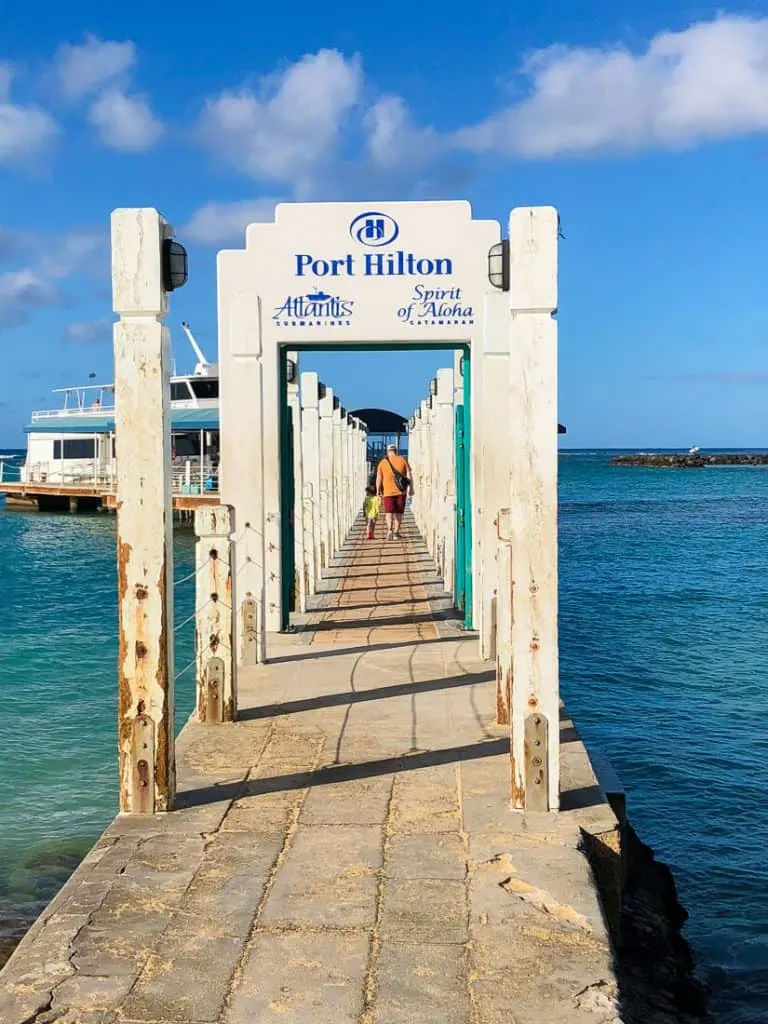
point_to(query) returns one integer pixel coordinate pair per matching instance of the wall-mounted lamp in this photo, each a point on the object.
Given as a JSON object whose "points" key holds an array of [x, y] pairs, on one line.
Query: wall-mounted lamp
{"points": [[175, 265], [290, 368], [433, 386], [498, 265], [320, 390]]}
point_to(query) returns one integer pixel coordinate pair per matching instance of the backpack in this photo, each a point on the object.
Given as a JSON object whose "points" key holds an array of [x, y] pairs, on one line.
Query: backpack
{"points": [[402, 483]]}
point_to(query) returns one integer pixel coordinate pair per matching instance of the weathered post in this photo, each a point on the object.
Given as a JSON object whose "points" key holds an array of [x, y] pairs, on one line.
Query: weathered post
{"points": [[214, 620], [144, 513], [310, 444], [535, 704], [491, 429], [337, 479], [326, 477], [299, 540], [446, 467]]}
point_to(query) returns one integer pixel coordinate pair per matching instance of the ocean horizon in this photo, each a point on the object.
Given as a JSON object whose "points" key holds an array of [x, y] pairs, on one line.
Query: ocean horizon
{"points": [[663, 667]]}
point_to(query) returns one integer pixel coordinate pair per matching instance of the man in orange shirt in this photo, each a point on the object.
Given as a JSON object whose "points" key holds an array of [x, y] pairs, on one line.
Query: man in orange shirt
{"points": [[394, 481]]}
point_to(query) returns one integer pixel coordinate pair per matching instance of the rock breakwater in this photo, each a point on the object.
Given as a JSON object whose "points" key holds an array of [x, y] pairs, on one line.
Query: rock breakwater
{"points": [[698, 461]]}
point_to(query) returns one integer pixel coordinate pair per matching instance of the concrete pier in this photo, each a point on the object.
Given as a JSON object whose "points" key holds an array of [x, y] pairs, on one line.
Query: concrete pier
{"points": [[345, 851]]}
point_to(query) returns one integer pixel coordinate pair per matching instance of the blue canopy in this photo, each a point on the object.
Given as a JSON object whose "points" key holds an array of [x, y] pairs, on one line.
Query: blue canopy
{"points": [[181, 419]]}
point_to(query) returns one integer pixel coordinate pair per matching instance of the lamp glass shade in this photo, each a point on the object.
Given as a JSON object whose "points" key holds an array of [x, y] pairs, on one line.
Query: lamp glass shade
{"points": [[498, 265], [175, 265]]}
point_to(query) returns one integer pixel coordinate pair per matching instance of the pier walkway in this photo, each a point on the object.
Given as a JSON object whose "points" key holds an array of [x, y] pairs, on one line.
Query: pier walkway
{"points": [[344, 852]]}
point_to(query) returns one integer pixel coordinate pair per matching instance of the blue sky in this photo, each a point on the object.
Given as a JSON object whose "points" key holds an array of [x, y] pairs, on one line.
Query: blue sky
{"points": [[647, 128]]}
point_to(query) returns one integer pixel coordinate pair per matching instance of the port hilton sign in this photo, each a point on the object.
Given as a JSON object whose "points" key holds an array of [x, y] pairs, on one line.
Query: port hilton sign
{"points": [[350, 274]]}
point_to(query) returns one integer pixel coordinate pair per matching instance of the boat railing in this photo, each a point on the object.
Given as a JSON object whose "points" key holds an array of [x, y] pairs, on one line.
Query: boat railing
{"points": [[188, 475], [10, 471], [96, 409]]}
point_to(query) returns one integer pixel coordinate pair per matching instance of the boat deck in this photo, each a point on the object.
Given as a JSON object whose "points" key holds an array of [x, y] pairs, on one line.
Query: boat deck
{"points": [[49, 496]]}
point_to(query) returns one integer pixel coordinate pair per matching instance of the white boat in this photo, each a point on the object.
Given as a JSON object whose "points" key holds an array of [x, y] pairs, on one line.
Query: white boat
{"points": [[694, 450], [74, 445]]}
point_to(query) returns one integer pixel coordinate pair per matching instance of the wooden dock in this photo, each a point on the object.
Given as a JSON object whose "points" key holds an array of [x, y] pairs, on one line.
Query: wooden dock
{"points": [[56, 497], [345, 851]]}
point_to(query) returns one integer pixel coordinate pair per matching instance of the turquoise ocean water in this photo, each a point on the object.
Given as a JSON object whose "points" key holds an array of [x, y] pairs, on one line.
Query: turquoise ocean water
{"points": [[664, 595]]}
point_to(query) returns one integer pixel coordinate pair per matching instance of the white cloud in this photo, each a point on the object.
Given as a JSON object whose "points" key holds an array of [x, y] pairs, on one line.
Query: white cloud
{"points": [[294, 123], [74, 252], [22, 291], [85, 68], [125, 123], [225, 223], [51, 261], [706, 83], [393, 140], [26, 131], [89, 332]]}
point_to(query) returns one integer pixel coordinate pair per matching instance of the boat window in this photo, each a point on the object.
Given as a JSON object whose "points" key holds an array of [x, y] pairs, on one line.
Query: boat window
{"points": [[185, 444], [207, 387], [180, 391], [75, 448]]}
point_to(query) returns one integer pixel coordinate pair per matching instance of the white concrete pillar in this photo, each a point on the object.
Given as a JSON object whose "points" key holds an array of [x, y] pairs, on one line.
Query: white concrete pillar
{"points": [[491, 428], [241, 468], [336, 486], [214, 619], [346, 483], [294, 404], [535, 707], [310, 443], [325, 407], [429, 489], [146, 732], [446, 463]]}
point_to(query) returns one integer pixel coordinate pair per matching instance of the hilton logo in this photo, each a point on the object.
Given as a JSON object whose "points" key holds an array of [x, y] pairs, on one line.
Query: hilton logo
{"points": [[374, 229]]}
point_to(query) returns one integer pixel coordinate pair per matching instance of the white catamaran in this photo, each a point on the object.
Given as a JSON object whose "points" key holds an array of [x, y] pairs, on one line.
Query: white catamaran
{"points": [[75, 444]]}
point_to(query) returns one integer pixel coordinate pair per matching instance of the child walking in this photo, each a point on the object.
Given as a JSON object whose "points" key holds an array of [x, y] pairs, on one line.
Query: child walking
{"points": [[371, 511]]}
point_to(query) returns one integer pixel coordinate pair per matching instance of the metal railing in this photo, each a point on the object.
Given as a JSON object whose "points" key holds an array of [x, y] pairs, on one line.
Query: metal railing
{"points": [[91, 410], [188, 476], [10, 471]]}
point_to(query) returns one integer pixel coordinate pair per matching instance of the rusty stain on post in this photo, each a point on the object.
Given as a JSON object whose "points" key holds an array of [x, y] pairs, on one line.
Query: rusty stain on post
{"points": [[536, 763], [251, 653], [214, 627]]}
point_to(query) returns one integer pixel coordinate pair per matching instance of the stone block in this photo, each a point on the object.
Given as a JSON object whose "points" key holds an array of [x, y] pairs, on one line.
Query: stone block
{"points": [[426, 855], [302, 978], [353, 802], [188, 978], [424, 983], [328, 878], [424, 910]]}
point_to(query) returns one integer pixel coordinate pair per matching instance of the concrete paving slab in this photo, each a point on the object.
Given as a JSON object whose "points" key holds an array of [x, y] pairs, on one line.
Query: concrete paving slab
{"points": [[424, 910], [188, 977], [353, 802], [430, 855], [328, 878], [302, 978], [421, 984]]}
